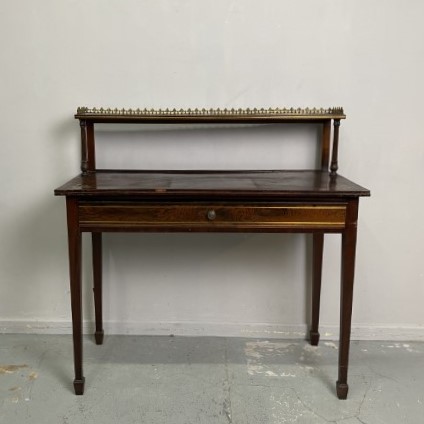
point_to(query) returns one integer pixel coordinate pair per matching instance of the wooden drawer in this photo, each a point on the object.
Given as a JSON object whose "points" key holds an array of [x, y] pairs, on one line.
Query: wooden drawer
{"points": [[211, 217]]}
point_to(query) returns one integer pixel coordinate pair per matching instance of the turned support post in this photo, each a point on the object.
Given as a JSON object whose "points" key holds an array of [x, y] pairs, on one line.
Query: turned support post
{"points": [[88, 163], [325, 145], [334, 161]]}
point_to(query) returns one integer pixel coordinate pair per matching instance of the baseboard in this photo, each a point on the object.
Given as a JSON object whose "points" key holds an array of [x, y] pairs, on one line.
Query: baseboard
{"points": [[279, 331]]}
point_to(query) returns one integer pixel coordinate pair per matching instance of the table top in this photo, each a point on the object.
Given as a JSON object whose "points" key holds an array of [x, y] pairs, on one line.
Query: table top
{"points": [[206, 184]]}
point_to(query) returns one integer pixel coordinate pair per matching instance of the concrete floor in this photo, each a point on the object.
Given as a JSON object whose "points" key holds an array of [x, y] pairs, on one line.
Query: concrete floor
{"points": [[184, 380]]}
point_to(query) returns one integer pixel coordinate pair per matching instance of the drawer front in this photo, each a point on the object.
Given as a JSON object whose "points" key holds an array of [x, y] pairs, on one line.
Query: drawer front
{"points": [[212, 217]]}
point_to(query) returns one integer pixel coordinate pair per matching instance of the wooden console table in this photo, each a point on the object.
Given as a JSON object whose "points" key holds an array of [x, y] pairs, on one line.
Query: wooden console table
{"points": [[307, 201]]}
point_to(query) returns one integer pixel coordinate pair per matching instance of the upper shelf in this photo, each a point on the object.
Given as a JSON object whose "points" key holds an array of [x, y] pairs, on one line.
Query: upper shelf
{"points": [[209, 115]]}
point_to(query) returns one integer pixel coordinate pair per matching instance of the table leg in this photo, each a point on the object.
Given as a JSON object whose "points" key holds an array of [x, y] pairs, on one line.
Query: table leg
{"points": [[97, 279], [346, 297], [74, 247], [318, 246]]}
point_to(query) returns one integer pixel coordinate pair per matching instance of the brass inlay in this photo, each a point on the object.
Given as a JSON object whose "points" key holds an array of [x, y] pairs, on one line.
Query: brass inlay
{"points": [[283, 224], [296, 113]]}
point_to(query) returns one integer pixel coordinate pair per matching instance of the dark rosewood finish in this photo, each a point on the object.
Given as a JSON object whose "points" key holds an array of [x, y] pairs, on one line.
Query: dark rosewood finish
{"points": [[307, 201], [88, 162], [325, 145], [318, 245], [84, 146], [96, 239], [334, 161], [74, 249], [346, 294]]}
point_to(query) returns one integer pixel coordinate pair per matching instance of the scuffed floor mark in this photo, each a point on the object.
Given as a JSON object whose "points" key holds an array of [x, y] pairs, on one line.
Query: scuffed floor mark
{"points": [[17, 394], [312, 349], [251, 352], [10, 369], [259, 349], [33, 376], [227, 410], [307, 369], [253, 369], [406, 346], [308, 352], [290, 408], [287, 374], [331, 344], [226, 406], [23, 380], [256, 351]]}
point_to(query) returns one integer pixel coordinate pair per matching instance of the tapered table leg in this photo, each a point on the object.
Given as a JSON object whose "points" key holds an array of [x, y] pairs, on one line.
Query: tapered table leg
{"points": [[318, 245], [74, 247], [97, 279], [346, 296]]}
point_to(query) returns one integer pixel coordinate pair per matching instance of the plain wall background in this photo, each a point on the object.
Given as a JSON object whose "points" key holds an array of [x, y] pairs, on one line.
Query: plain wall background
{"points": [[367, 56]]}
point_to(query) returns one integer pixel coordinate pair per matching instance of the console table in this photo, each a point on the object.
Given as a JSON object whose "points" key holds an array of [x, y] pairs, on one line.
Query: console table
{"points": [[306, 201]]}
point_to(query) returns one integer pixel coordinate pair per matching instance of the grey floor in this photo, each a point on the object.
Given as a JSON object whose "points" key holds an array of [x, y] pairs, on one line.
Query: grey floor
{"points": [[188, 380]]}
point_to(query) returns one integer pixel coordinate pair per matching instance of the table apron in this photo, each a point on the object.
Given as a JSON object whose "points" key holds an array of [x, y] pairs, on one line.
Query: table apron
{"points": [[225, 217]]}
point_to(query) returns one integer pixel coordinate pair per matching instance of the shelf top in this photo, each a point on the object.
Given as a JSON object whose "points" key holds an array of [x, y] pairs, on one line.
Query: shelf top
{"points": [[213, 115]]}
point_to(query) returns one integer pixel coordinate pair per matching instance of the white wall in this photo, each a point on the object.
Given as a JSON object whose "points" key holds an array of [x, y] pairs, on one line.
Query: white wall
{"points": [[367, 56]]}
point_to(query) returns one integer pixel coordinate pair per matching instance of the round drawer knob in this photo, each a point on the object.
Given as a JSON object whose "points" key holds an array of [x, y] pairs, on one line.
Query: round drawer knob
{"points": [[211, 215]]}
